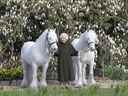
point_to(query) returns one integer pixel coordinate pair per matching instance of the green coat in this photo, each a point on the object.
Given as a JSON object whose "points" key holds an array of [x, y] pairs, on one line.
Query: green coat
{"points": [[65, 66]]}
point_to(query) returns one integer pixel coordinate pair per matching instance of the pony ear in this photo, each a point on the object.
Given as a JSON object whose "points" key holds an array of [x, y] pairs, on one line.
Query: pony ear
{"points": [[48, 29], [54, 29]]}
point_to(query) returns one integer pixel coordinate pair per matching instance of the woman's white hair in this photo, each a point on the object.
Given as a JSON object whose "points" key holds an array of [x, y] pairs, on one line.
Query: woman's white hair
{"points": [[64, 36]]}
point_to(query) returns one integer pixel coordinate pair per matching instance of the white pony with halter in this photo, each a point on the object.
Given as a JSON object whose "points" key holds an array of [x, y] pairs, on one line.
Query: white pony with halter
{"points": [[35, 54], [85, 45]]}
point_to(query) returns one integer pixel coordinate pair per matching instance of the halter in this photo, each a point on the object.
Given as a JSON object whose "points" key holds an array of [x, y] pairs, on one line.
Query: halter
{"points": [[90, 43], [49, 43]]}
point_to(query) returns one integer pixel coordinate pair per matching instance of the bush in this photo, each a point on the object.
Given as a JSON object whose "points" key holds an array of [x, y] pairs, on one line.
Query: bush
{"points": [[117, 72], [10, 74]]}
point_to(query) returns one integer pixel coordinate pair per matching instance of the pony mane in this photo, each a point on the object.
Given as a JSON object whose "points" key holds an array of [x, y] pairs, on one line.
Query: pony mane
{"points": [[39, 39], [48, 30]]}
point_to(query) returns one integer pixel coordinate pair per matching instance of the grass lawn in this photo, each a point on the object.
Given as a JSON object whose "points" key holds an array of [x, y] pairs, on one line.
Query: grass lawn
{"points": [[67, 91]]}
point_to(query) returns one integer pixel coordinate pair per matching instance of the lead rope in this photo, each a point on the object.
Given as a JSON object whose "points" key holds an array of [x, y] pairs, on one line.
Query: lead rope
{"points": [[51, 55]]}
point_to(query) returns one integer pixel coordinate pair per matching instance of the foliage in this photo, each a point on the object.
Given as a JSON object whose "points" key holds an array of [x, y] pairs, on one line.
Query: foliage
{"points": [[117, 72], [10, 74]]}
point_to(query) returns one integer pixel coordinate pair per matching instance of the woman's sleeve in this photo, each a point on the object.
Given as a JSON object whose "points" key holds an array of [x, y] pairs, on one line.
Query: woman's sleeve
{"points": [[73, 51], [56, 53]]}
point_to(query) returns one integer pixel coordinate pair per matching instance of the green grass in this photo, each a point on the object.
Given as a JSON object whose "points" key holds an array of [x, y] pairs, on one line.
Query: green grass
{"points": [[68, 91]]}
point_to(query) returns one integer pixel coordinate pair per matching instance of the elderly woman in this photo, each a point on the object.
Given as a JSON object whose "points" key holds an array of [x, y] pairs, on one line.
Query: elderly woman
{"points": [[65, 66]]}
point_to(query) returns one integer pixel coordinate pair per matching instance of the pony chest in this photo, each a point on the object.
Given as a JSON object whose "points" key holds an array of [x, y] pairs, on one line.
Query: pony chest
{"points": [[39, 56]]}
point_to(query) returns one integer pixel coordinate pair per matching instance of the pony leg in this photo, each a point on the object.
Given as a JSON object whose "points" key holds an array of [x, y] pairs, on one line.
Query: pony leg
{"points": [[79, 83], [43, 81], [34, 82], [25, 81], [75, 65], [91, 73], [29, 73], [84, 81]]}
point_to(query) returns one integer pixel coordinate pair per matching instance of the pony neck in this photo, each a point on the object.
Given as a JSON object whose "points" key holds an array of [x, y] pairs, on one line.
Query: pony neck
{"points": [[81, 44], [43, 43]]}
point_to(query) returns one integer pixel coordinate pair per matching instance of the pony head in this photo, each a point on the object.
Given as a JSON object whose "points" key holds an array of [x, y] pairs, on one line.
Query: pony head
{"points": [[92, 39], [52, 40]]}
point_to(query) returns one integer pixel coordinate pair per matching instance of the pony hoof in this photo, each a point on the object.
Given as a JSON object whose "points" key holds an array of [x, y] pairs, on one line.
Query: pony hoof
{"points": [[44, 84], [23, 85], [85, 83], [33, 85], [79, 84], [92, 82]]}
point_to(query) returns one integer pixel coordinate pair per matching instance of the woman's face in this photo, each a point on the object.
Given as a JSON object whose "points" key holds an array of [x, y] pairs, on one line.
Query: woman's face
{"points": [[64, 37]]}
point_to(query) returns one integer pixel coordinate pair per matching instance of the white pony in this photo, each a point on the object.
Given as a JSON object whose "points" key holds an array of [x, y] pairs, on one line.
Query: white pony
{"points": [[34, 54], [85, 46]]}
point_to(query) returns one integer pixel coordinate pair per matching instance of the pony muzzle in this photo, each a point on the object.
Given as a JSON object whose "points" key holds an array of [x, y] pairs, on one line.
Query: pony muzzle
{"points": [[92, 46], [54, 47]]}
